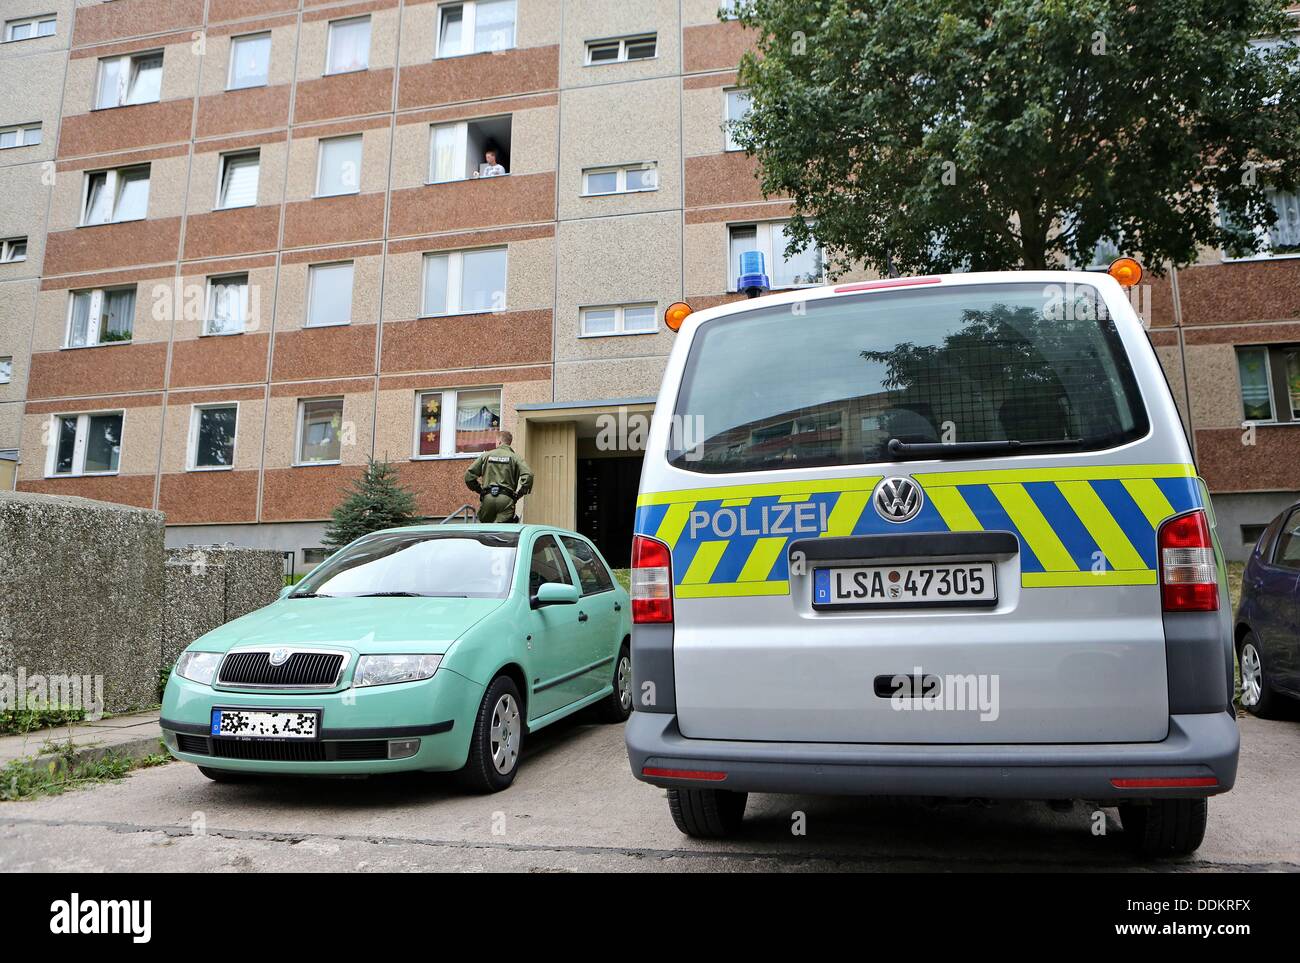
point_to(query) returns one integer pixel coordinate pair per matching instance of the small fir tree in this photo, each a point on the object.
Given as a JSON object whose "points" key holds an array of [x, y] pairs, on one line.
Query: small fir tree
{"points": [[374, 502]]}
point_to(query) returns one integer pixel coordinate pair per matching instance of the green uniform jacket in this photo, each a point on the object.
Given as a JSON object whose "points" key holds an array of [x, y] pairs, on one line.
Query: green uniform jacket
{"points": [[500, 466]]}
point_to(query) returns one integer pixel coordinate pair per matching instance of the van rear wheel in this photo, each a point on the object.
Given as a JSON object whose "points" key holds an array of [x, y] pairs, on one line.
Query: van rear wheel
{"points": [[707, 813], [1165, 827]]}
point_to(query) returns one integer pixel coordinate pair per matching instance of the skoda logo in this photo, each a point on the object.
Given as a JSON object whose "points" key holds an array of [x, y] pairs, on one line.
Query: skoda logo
{"points": [[279, 656], [898, 499]]}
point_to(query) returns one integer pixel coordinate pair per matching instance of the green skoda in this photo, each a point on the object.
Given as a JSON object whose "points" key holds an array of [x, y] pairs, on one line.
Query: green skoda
{"points": [[434, 648]]}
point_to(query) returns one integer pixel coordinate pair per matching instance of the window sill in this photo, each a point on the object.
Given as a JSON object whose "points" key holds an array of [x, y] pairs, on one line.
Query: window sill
{"points": [[620, 334], [322, 197], [234, 207], [463, 314], [644, 190], [21, 146], [316, 464], [1272, 424], [457, 457], [463, 180], [129, 220], [205, 468], [143, 103], [344, 73], [17, 260], [222, 334], [620, 63], [265, 83], [101, 344], [327, 324], [472, 53], [84, 474], [1288, 256]]}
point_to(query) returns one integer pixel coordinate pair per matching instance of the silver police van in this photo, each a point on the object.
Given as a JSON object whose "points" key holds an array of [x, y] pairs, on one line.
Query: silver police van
{"points": [[936, 536]]}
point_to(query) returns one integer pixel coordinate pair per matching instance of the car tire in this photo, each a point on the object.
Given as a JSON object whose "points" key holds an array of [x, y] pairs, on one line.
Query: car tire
{"points": [[1250, 658], [1165, 827], [224, 775], [617, 706], [707, 813], [496, 739]]}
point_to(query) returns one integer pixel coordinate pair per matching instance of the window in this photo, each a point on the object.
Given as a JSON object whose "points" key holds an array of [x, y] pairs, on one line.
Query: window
{"points": [[974, 362], [212, 437], [1287, 551], [13, 250], [621, 49], [100, 317], [227, 305], [732, 9], [314, 556], [465, 282], [239, 177], [478, 419], [797, 270], [329, 294], [250, 61], [339, 170], [470, 148], [133, 79], [1284, 236], [30, 28], [320, 431], [737, 109], [475, 27], [6, 370], [85, 444], [349, 46], [619, 319], [547, 565], [26, 136], [593, 577], [116, 195], [1270, 382], [630, 179]]}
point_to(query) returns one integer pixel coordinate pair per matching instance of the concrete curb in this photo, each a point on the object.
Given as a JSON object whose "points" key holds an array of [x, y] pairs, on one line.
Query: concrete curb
{"points": [[136, 748]]}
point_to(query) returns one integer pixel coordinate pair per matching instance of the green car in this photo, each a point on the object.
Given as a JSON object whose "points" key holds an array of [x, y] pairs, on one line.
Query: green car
{"points": [[434, 648]]}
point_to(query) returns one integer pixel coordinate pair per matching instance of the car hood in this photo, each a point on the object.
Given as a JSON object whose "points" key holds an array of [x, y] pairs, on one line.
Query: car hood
{"points": [[376, 626]]}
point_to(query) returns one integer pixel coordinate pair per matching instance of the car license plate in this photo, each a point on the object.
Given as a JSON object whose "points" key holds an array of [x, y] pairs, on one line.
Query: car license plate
{"points": [[266, 724], [871, 586]]}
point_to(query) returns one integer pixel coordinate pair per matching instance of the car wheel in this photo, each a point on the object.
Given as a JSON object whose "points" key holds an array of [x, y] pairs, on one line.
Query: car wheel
{"points": [[495, 743], [617, 706], [224, 775], [1165, 827], [1257, 694], [707, 813]]}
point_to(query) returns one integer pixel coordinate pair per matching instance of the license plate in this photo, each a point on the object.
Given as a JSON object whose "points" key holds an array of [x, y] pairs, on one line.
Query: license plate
{"points": [[266, 724], [871, 586]]}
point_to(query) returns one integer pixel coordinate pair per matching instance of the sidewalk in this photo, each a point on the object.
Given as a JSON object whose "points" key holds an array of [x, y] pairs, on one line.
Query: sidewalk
{"points": [[132, 736]]}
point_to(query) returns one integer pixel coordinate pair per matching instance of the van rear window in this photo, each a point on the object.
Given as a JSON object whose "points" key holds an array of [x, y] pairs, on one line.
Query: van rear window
{"points": [[887, 376]]}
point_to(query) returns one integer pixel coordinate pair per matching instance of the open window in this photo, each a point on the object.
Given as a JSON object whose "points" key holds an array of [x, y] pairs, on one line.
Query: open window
{"points": [[88, 444], [227, 305], [475, 26], [132, 79], [320, 431], [116, 195], [470, 148], [13, 250], [100, 316], [239, 179]]}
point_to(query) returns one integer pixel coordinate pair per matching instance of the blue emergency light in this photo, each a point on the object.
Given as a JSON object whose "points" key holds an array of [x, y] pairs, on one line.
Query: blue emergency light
{"points": [[753, 274]]}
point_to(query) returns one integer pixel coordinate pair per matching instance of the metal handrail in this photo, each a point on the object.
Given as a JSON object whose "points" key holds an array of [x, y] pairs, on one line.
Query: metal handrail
{"points": [[466, 513]]}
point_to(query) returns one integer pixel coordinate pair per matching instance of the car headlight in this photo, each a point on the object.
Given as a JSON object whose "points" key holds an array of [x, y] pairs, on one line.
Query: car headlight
{"points": [[199, 666], [387, 669]]}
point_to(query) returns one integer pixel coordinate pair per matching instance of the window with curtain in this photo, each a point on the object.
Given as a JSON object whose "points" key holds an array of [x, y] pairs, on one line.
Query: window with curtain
{"points": [[213, 436], [349, 45], [477, 414], [227, 305], [340, 166], [329, 298], [116, 195], [101, 317], [128, 80], [449, 142], [320, 426], [250, 61]]}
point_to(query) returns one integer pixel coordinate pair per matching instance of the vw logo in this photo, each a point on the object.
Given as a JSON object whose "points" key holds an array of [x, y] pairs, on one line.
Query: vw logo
{"points": [[898, 499], [279, 656]]}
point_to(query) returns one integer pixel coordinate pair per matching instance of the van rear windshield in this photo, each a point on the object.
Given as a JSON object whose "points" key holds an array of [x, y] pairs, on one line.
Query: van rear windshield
{"points": [[834, 381]]}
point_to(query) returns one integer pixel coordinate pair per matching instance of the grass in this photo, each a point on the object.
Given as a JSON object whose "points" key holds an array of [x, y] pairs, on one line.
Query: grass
{"points": [[23, 779], [18, 722]]}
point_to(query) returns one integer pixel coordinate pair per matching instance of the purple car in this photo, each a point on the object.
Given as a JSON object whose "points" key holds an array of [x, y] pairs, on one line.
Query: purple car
{"points": [[1268, 619]]}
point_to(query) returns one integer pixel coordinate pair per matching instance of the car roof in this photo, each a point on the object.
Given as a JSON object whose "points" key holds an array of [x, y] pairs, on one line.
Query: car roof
{"points": [[479, 527]]}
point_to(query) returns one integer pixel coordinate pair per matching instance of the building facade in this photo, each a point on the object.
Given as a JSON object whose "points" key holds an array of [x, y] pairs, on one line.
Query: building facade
{"points": [[265, 240]]}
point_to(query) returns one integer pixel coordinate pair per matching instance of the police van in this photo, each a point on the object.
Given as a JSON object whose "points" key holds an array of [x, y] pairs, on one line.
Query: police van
{"points": [[932, 536]]}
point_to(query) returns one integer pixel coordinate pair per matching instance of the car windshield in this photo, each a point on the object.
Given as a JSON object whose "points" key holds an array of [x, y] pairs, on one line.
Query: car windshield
{"points": [[476, 565], [978, 369]]}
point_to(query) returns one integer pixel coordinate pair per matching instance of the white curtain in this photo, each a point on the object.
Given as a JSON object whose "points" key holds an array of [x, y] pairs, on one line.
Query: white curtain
{"points": [[132, 195], [146, 80], [112, 81], [79, 330], [349, 45], [494, 25], [449, 152], [229, 306], [119, 315]]}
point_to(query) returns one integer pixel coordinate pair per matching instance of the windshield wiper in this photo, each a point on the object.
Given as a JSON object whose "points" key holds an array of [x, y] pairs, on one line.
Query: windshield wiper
{"points": [[391, 595], [309, 595], [936, 449]]}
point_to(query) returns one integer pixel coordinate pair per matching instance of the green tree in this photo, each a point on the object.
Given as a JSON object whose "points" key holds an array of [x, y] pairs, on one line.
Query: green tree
{"points": [[375, 501], [931, 135]]}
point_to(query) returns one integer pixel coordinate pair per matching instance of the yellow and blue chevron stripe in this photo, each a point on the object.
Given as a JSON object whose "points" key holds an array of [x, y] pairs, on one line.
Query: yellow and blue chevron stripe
{"points": [[1077, 526]]}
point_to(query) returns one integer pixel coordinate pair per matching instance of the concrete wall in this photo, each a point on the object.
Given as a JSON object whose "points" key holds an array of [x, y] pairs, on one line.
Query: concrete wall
{"points": [[208, 586], [81, 593]]}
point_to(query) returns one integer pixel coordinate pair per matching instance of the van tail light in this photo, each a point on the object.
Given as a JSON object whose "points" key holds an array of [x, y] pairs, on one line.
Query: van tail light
{"points": [[652, 580], [1189, 576]]}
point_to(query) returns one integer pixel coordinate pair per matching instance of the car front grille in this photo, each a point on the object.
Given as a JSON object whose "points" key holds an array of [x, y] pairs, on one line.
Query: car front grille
{"points": [[303, 669], [289, 750]]}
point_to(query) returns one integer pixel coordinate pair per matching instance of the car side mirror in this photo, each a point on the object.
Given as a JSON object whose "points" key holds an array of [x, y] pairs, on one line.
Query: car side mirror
{"points": [[286, 590], [554, 593]]}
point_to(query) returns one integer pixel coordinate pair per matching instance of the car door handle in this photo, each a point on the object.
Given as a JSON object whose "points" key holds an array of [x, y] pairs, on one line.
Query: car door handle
{"points": [[582, 616], [618, 606]]}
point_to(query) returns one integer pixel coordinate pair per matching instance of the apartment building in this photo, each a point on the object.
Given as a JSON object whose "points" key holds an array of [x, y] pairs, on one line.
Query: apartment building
{"points": [[268, 239]]}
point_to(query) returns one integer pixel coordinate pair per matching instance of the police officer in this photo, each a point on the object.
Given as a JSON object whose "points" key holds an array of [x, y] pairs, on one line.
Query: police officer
{"points": [[500, 478]]}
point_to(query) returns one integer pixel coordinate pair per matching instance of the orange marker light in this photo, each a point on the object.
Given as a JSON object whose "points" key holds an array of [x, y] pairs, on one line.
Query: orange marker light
{"points": [[1126, 271], [676, 314]]}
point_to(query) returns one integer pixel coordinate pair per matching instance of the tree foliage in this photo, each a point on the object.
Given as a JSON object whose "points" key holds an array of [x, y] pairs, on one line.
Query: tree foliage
{"points": [[932, 135], [375, 501]]}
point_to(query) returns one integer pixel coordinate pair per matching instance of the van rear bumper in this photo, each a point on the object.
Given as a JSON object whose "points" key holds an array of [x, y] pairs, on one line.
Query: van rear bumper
{"points": [[1198, 746]]}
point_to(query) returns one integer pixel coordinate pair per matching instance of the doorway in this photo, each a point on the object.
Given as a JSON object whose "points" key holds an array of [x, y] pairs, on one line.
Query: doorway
{"points": [[606, 513]]}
